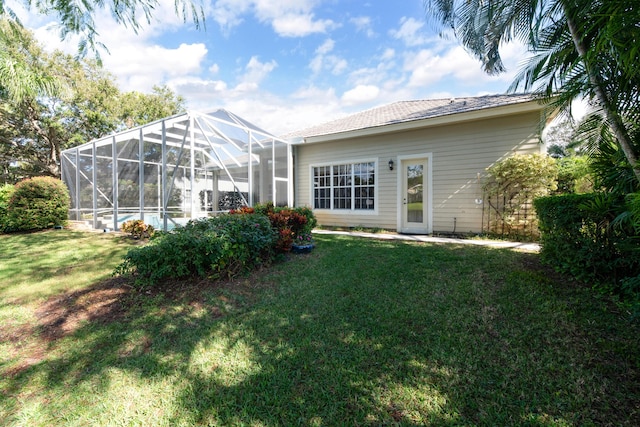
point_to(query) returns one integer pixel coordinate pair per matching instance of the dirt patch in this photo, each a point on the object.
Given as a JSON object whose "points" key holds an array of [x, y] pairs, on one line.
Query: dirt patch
{"points": [[63, 314], [115, 299]]}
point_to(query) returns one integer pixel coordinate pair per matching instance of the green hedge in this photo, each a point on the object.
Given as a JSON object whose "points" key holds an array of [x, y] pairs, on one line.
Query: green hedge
{"points": [[581, 235], [37, 203], [218, 247]]}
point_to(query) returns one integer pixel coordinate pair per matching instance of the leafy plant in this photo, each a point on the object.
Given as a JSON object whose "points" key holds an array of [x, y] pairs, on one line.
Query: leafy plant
{"points": [[38, 203], [223, 246], [303, 239], [288, 223], [574, 175], [138, 229], [582, 235], [510, 187], [242, 210]]}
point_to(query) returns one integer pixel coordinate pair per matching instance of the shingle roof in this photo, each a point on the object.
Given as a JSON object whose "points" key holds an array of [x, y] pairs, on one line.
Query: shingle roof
{"points": [[407, 111]]}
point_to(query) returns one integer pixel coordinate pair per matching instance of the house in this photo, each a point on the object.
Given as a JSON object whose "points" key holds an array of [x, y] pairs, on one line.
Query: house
{"points": [[412, 166]]}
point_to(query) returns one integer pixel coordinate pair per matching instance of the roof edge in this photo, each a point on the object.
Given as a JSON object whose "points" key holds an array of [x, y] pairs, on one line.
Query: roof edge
{"points": [[452, 118]]}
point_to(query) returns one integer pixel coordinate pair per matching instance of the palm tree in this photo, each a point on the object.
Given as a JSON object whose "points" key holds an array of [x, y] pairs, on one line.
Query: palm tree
{"points": [[581, 48]]}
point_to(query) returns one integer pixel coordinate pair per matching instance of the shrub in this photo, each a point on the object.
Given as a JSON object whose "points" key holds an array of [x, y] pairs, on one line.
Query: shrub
{"points": [[218, 247], [38, 203], [138, 229], [5, 195], [509, 190], [581, 234], [574, 175], [289, 224]]}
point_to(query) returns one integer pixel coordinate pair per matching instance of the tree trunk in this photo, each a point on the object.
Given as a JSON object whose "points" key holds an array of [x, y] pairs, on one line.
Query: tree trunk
{"points": [[611, 113]]}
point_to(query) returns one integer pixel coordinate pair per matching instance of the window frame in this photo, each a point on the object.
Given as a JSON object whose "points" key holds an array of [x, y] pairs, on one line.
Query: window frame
{"points": [[353, 187]]}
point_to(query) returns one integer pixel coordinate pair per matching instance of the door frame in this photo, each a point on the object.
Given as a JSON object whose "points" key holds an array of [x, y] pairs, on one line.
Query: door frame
{"points": [[428, 198]]}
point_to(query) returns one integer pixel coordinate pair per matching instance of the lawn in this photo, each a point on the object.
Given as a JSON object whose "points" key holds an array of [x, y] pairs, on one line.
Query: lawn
{"points": [[359, 332]]}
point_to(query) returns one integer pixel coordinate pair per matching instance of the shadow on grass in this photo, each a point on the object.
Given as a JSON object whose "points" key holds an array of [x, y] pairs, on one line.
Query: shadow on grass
{"points": [[356, 333]]}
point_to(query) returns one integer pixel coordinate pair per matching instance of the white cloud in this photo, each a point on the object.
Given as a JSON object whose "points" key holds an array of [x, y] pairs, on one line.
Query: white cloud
{"points": [[256, 71], [427, 67], [313, 93], [305, 107], [228, 13], [139, 67], [363, 25], [360, 94], [388, 54], [288, 18], [300, 25], [409, 32], [338, 65], [325, 47], [331, 63]]}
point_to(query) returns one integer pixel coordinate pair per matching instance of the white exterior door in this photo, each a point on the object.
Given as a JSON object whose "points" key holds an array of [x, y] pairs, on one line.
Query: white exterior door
{"points": [[415, 195]]}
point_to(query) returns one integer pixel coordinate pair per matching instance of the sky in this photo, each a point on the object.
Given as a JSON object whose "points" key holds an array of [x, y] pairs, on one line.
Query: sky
{"points": [[288, 64]]}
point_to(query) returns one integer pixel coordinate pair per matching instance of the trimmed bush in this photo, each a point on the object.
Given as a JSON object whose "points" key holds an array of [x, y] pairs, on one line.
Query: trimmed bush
{"points": [[219, 247], [38, 203], [6, 191], [581, 234]]}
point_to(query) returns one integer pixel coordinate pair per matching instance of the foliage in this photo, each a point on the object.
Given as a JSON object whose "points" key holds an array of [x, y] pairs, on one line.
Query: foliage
{"points": [[137, 109], [582, 235], [35, 129], [6, 191], [611, 170], [574, 175], [138, 229], [38, 203], [509, 189], [220, 247], [288, 223], [22, 72], [581, 49], [303, 239]]}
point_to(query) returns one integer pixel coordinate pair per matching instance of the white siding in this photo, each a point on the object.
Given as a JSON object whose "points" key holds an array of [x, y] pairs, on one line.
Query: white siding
{"points": [[459, 153]]}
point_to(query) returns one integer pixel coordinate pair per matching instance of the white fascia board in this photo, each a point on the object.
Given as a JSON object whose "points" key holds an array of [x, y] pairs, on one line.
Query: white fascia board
{"points": [[468, 116]]}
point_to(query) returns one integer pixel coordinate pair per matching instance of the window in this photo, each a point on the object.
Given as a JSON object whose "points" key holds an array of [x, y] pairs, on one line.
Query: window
{"points": [[348, 186]]}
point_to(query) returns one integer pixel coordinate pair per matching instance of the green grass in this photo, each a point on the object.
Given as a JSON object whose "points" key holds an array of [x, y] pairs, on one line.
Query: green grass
{"points": [[360, 332]]}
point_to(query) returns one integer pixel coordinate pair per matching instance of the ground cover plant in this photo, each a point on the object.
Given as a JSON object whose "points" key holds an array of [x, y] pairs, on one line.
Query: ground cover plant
{"points": [[359, 332]]}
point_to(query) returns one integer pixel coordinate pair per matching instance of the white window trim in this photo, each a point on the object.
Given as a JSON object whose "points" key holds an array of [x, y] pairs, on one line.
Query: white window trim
{"points": [[351, 211]]}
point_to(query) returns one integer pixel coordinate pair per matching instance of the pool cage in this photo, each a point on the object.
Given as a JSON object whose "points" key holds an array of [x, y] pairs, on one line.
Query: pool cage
{"points": [[167, 172]]}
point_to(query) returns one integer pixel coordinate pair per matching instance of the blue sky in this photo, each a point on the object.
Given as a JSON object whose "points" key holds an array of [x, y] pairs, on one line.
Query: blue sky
{"points": [[289, 64]]}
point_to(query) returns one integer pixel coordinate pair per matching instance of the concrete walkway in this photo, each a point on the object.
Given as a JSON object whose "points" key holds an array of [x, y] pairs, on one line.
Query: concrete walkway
{"points": [[525, 247]]}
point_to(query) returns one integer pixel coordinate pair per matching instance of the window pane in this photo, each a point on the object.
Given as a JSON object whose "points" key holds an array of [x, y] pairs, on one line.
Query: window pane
{"points": [[322, 187], [364, 186], [342, 178], [346, 186]]}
